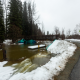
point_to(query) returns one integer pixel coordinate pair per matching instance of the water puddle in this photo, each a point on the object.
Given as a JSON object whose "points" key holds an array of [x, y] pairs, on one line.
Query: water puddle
{"points": [[40, 58], [25, 60], [24, 66], [32, 63]]}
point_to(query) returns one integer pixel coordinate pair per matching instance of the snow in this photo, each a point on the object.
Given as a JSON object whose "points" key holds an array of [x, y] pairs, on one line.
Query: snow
{"points": [[2, 63], [5, 72], [8, 41], [64, 51], [36, 46], [20, 43], [73, 40], [60, 46]]}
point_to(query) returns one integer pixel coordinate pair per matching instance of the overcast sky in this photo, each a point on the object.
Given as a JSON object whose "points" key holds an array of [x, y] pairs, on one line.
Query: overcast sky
{"points": [[61, 13]]}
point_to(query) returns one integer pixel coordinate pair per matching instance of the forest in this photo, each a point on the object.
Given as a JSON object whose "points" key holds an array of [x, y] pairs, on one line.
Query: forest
{"points": [[18, 20]]}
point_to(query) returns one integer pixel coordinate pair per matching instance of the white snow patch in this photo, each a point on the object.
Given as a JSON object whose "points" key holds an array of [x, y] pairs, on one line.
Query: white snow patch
{"points": [[64, 51], [5, 72], [36, 46], [60, 46], [2, 63], [73, 40], [8, 41]]}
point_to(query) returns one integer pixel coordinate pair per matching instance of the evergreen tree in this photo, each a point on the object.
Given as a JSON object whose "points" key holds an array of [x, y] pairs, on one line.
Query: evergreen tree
{"points": [[39, 32], [2, 29], [35, 29], [30, 18], [15, 18], [25, 20], [28, 21], [15, 13]]}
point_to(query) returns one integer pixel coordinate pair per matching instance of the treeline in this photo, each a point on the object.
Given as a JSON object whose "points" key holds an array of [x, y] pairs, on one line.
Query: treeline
{"points": [[75, 34], [2, 28], [68, 34], [20, 20], [61, 34]]}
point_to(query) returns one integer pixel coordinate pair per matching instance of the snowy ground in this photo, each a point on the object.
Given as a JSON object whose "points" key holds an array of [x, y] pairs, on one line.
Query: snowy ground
{"points": [[74, 40], [64, 51], [36, 46]]}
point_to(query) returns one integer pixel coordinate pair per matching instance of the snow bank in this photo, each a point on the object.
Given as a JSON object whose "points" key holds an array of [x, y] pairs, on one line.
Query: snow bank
{"points": [[2, 63], [64, 51], [8, 41], [5, 72], [74, 40], [60, 46]]}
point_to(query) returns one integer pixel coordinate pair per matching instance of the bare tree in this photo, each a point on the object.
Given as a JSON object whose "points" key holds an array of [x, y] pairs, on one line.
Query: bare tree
{"points": [[63, 35], [68, 32], [32, 16], [56, 30], [62, 31], [75, 32], [43, 30]]}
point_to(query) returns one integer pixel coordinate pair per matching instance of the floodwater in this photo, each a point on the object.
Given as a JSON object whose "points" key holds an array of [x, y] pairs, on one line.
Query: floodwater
{"points": [[24, 59]]}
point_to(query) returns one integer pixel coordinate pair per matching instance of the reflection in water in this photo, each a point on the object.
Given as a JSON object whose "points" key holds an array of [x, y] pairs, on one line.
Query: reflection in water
{"points": [[24, 66], [15, 52], [41, 58], [40, 61], [23, 59], [28, 64]]}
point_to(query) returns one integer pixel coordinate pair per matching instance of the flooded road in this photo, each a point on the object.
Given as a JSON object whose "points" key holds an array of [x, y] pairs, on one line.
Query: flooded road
{"points": [[24, 59]]}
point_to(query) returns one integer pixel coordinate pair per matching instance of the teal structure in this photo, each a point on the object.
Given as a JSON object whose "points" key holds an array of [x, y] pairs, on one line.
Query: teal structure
{"points": [[50, 44], [27, 41]]}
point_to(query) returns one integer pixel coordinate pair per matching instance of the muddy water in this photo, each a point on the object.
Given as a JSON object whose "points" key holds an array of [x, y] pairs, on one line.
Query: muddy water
{"points": [[24, 59]]}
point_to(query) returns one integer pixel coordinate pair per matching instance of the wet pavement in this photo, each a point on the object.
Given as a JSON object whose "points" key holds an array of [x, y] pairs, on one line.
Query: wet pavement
{"points": [[72, 68], [75, 74]]}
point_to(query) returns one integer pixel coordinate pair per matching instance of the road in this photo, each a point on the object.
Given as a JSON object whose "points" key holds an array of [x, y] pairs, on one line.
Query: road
{"points": [[75, 74], [72, 68]]}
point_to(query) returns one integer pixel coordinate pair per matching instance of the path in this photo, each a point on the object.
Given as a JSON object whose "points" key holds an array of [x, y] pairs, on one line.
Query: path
{"points": [[72, 69]]}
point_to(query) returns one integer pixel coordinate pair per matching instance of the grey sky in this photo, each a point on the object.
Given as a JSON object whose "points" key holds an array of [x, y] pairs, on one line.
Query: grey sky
{"points": [[60, 13]]}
